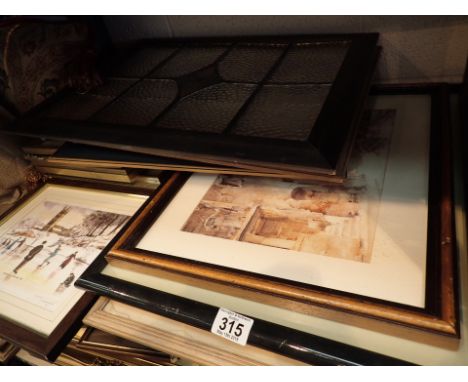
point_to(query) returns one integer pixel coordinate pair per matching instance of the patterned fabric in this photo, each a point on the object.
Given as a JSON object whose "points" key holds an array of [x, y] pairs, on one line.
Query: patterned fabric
{"points": [[17, 176], [13, 173], [36, 60]]}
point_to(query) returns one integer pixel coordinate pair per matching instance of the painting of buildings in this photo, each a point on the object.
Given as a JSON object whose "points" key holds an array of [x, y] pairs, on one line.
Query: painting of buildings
{"points": [[318, 219]]}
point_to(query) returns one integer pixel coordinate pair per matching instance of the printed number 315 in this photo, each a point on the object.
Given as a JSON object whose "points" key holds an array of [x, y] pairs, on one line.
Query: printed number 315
{"points": [[226, 323]]}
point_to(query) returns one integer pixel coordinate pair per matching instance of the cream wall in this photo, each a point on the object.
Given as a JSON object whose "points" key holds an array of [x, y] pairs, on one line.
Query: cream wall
{"points": [[415, 48]]}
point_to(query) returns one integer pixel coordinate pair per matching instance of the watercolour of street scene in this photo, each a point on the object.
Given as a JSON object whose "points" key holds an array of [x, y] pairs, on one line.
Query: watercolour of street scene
{"points": [[43, 254]]}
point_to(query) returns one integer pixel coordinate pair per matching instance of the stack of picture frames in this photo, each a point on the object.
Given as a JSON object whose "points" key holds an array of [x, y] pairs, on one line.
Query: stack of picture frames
{"points": [[201, 103], [378, 251], [352, 218], [92, 347]]}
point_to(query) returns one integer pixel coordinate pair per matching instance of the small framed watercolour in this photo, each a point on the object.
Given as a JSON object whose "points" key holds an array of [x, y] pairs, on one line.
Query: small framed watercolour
{"points": [[381, 245], [46, 242]]}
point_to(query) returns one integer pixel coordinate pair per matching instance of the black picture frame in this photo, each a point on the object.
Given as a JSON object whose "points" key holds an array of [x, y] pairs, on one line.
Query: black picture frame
{"points": [[283, 340], [323, 153]]}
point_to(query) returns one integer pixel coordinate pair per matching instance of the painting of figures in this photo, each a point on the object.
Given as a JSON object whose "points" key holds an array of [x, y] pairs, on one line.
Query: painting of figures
{"points": [[43, 254]]}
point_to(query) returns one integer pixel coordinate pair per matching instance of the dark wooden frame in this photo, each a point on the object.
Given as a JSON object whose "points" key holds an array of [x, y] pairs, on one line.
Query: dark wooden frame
{"points": [[49, 347], [440, 314], [463, 105], [325, 153]]}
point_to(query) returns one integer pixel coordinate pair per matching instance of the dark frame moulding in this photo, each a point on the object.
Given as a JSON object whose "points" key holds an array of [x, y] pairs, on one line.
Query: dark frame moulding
{"points": [[280, 339], [325, 153], [463, 105], [49, 347], [439, 316]]}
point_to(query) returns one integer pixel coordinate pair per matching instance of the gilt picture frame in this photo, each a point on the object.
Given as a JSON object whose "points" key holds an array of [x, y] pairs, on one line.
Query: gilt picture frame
{"points": [[47, 240], [430, 304]]}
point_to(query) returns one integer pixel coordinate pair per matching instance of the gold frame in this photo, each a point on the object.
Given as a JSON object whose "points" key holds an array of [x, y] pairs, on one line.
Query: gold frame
{"points": [[441, 275]]}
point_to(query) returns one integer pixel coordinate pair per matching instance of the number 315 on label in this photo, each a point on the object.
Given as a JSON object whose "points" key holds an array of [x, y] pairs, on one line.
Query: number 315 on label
{"points": [[232, 326]]}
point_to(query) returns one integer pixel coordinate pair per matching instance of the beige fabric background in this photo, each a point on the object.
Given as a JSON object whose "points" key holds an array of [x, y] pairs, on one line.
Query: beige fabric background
{"points": [[415, 48]]}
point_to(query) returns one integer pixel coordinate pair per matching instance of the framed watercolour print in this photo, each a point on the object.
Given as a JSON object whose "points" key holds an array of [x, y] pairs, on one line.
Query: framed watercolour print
{"points": [[46, 242], [380, 245]]}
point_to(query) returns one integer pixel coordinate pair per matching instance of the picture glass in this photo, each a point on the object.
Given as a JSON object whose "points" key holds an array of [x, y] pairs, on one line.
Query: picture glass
{"points": [[47, 243], [265, 104], [235, 73], [367, 236]]}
